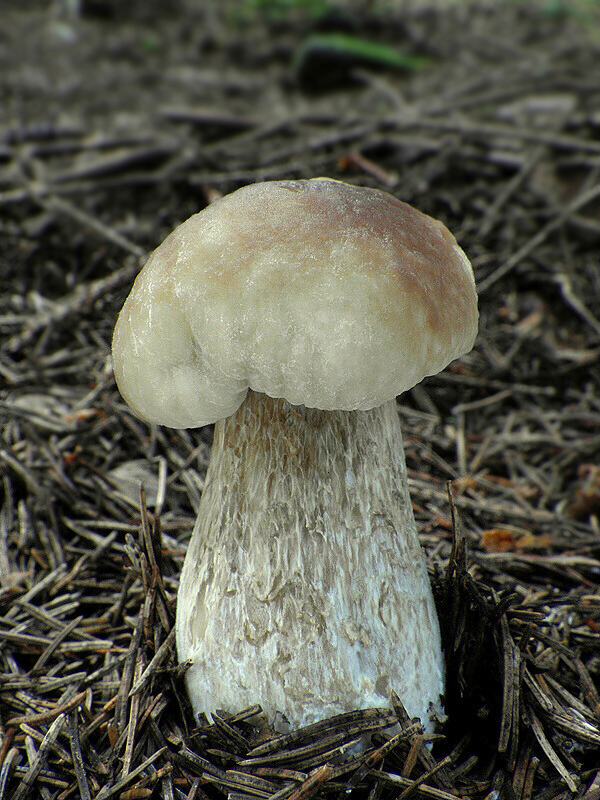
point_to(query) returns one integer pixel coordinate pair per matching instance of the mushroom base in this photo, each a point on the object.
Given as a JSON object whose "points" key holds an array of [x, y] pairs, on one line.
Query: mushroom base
{"points": [[304, 587]]}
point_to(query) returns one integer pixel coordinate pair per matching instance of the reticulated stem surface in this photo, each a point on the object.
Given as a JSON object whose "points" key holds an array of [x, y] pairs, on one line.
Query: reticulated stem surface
{"points": [[304, 587]]}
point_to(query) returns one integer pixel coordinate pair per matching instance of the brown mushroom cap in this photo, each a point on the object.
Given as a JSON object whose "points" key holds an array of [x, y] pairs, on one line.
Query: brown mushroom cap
{"points": [[326, 294]]}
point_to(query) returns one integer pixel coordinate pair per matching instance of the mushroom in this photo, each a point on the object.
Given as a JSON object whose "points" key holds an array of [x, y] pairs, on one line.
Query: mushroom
{"points": [[291, 314]]}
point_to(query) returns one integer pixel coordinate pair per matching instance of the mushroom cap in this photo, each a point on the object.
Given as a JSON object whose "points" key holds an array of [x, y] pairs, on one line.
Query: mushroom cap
{"points": [[329, 295]]}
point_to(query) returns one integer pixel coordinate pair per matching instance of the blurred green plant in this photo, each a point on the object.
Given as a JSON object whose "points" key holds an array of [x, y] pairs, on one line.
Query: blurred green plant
{"points": [[586, 13], [354, 48], [583, 10], [328, 60], [150, 44]]}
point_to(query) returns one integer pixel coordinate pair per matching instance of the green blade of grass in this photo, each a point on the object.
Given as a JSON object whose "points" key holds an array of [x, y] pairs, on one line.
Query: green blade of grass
{"points": [[347, 47]]}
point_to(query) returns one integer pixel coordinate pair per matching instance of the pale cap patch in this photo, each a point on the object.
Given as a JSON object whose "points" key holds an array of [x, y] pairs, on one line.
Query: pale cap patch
{"points": [[328, 295]]}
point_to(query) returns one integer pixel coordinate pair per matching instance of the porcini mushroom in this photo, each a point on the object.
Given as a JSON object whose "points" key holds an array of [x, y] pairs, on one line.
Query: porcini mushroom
{"points": [[291, 314]]}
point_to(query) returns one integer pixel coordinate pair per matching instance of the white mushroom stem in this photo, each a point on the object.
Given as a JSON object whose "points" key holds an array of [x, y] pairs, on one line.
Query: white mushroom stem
{"points": [[304, 587]]}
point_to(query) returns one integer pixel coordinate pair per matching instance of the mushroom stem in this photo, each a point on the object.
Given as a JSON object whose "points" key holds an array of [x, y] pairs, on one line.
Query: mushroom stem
{"points": [[304, 587]]}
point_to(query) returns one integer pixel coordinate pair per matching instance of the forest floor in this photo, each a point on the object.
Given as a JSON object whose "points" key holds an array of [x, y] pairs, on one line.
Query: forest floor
{"points": [[120, 120]]}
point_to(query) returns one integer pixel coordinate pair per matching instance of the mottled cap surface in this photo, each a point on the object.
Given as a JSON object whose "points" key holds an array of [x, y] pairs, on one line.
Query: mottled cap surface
{"points": [[329, 295]]}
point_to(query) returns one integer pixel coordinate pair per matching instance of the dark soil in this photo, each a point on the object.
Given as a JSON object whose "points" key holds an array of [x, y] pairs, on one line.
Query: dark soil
{"points": [[118, 121]]}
